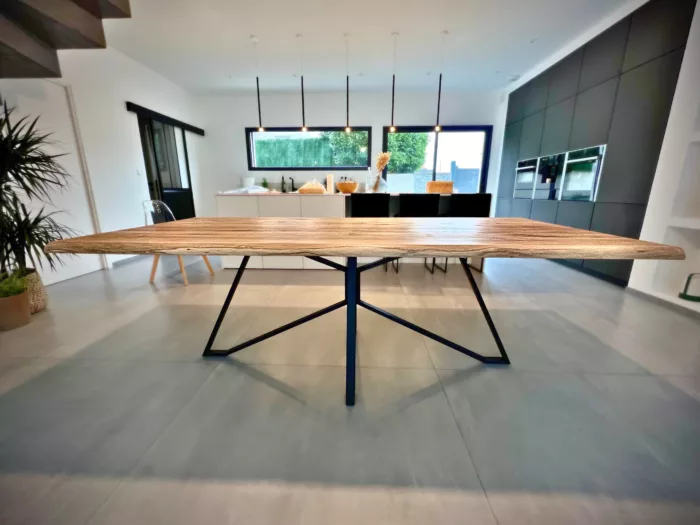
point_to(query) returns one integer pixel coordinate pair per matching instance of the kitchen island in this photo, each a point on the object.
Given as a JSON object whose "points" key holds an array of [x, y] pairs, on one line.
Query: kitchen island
{"points": [[280, 205]]}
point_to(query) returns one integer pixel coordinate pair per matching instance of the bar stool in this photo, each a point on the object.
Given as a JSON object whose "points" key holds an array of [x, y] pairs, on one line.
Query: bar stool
{"points": [[466, 205], [370, 205], [417, 205], [156, 212]]}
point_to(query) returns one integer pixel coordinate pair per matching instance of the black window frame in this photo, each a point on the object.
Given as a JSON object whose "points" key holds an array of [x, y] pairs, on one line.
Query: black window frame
{"points": [[249, 148], [486, 129]]}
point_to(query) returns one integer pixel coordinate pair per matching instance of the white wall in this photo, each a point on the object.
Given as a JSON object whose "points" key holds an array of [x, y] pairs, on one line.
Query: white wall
{"points": [[49, 101], [103, 80], [675, 193], [223, 157]]}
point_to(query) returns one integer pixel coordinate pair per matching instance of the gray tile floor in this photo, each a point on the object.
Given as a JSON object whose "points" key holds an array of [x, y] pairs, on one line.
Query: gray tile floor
{"points": [[108, 414]]}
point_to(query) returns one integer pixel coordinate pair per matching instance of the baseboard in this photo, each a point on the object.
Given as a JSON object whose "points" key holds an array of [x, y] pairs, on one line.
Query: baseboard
{"points": [[672, 306]]}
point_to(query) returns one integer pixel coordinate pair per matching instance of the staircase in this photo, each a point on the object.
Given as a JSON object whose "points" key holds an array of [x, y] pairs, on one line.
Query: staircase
{"points": [[32, 30]]}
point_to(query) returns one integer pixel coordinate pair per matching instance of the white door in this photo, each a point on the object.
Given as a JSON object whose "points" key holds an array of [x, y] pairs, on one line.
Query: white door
{"points": [[49, 101]]}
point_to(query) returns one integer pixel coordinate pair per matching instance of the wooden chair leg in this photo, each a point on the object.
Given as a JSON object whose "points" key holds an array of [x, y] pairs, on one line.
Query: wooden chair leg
{"points": [[206, 261], [182, 269], [156, 258]]}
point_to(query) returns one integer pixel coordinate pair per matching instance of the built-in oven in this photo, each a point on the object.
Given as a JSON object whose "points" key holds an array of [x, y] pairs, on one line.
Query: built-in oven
{"points": [[582, 174], [525, 174], [549, 177]]}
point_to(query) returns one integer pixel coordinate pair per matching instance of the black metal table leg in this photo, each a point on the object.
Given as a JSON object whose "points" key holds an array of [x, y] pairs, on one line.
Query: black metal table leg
{"points": [[224, 308], [485, 310], [351, 286]]}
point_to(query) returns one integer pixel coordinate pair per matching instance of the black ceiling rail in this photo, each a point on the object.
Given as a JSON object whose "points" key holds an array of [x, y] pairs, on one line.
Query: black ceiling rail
{"points": [[145, 112]]}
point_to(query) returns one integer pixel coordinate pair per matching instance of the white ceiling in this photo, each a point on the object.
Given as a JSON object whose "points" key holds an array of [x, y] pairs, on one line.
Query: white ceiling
{"points": [[204, 45]]}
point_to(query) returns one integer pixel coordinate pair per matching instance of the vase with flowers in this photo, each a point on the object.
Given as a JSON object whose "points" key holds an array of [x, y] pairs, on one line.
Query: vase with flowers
{"points": [[376, 182]]}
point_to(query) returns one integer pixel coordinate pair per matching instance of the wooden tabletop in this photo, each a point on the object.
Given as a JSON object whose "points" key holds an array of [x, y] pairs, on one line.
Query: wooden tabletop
{"points": [[356, 237]]}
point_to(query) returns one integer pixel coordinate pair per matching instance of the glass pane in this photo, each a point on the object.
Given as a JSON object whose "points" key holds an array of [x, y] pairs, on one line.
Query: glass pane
{"points": [[181, 158], [166, 155], [549, 175], [310, 149], [460, 155], [411, 164], [581, 175]]}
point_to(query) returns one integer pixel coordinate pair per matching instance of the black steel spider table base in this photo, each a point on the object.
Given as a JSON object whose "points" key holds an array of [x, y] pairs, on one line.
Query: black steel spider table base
{"points": [[351, 302]]}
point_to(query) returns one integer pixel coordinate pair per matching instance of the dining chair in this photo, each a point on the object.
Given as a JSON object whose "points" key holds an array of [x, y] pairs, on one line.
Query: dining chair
{"points": [[156, 212], [370, 205], [417, 205], [466, 205]]}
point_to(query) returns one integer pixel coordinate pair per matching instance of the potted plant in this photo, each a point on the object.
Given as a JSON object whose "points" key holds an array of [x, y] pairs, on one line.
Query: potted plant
{"points": [[27, 173], [14, 302]]}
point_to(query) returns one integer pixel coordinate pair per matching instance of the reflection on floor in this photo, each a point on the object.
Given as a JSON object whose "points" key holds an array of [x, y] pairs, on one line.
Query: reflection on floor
{"points": [[108, 414]]}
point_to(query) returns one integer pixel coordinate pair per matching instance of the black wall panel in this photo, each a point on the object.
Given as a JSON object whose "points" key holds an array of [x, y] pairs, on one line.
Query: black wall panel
{"points": [[564, 78], [516, 104], [503, 207], [616, 219], [536, 94], [575, 214], [603, 56], [593, 115], [509, 160], [521, 208], [639, 122], [557, 127], [657, 27], [545, 211], [531, 136]]}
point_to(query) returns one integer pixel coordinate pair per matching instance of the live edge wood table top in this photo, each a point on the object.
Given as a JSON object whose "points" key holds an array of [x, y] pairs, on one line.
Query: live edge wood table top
{"points": [[368, 237]]}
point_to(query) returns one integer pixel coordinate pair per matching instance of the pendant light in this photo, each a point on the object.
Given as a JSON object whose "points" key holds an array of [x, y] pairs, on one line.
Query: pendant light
{"points": [[392, 129], [254, 40], [348, 129], [301, 74], [442, 64]]}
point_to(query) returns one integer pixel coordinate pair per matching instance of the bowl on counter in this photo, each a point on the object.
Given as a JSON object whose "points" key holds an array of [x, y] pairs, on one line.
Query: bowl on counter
{"points": [[347, 186]]}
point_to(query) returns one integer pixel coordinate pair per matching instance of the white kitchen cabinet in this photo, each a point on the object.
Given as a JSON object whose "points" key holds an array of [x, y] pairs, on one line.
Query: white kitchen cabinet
{"points": [[238, 206], [280, 206], [322, 206]]}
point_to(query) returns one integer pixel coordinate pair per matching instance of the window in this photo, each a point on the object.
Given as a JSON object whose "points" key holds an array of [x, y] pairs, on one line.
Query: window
{"points": [[419, 155], [281, 149]]}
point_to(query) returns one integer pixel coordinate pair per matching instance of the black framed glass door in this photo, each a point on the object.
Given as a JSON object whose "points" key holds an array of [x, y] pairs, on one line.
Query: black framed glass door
{"points": [[167, 165]]}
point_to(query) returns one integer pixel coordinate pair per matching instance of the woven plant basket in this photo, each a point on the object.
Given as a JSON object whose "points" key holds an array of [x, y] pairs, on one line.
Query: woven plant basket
{"points": [[37, 292]]}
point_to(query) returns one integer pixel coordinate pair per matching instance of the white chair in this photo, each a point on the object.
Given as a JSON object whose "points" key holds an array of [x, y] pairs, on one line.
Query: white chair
{"points": [[156, 212]]}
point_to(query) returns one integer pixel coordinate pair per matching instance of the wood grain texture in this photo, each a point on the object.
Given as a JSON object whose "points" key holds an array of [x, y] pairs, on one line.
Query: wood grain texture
{"points": [[360, 237]]}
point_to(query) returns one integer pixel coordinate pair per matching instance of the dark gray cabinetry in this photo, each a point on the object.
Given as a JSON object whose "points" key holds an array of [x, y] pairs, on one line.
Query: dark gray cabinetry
{"points": [[616, 219], [557, 127], [592, 116], [576, 215], [503, 207], [545, 211], [516, 104], [536, 94], [509, 160], [639, 122], [602, 56], [521, 208], [564, 77], [657, 28], [531, 136]]}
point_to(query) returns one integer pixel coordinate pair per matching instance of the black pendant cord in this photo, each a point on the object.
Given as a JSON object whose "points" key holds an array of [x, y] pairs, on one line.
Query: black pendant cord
{"points": [[347, 101], [257, 83], [303, 107], [393, 91], [437, 124]]}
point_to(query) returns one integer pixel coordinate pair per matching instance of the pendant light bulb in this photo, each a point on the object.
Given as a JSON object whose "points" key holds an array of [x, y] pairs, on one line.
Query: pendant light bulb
{"points": [[304, 128], [261, 130], [392, 129], [348, 129], [438, 128]]}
